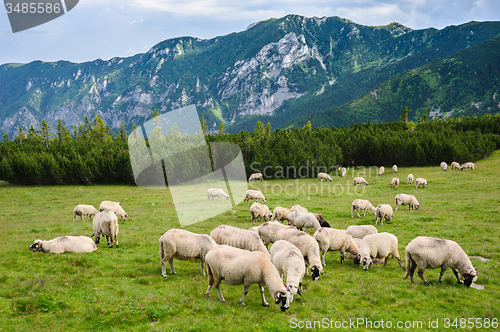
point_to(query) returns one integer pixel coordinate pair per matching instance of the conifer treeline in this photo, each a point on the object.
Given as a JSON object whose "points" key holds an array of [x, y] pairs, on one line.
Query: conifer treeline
{"points": [[92, 153]]}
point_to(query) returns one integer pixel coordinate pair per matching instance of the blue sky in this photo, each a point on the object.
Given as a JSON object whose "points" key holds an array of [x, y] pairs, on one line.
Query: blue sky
{"points": [[108, 28]]}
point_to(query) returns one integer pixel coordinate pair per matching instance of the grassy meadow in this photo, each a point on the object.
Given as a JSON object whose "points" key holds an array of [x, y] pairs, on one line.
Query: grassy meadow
{"points": [[122, 289]]}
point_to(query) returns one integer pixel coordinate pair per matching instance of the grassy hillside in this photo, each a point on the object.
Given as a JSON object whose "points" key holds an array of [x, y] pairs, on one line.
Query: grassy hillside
{"points": [[122, 289]]}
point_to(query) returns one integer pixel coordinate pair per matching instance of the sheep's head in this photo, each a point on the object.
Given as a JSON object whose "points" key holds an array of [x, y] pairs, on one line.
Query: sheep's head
{"points": [[316, 272], [292, 289], [469, 277], [367, 262], [36, 246], [357, 259], [283, 300]]}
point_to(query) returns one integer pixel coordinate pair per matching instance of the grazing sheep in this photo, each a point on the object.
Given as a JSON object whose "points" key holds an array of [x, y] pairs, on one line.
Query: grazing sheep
{"points": [[343, 171], [467, 166], [299, 208], [280, 213], [254, 194], [113, 206], [255, 176], [106, 223], [361, 204], [395, 182], [322, 221], [359, 232], [383, 211], [303, 220], [259, 211], [67, 243], [237, 266], [289, 262], [432, 253], [381, 171], [359, 180], [455, 165], [238, 238], [254, 229], [271, 232], [395, 168], [410, 179], [308, 246], [420, 181], [83, 210], [183, 245], [444, 166], [378, 245], [330, 239], [404, 199], [216, 192], [324, 176]]}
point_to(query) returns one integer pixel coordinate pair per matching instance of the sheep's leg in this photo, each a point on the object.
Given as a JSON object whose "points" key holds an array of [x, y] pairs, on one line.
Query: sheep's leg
{"points": [[164, 267], [202, 267], [210, 281], [421, 275], [171, 262], [342, 257], [264, 302], [456, 275], [323, 254], [413, 266], [217, 287], [307, 264], [245, 292], [442, 273], [357, 212]]}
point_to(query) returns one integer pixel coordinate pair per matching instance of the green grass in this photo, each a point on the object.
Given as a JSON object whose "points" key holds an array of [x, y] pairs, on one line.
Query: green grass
{"points": [[122, 289]]}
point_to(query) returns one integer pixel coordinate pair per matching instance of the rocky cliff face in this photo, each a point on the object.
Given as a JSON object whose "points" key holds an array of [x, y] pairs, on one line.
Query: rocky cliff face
{"points": [[229, 78]]}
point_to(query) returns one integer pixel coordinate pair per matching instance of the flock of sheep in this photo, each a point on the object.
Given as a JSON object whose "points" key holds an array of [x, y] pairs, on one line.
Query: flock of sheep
{"points": [[243, 257]]}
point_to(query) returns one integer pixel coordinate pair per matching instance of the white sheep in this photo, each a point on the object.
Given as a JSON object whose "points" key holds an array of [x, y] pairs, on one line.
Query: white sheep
{"points": [[259, 210], [381, 171], [255, 176], [343, 171], [379, 245], [280, 213], [455, 165], [432, 253], [308, 246], [420, 181], [361, 204], [359, 232], [237, 266], [113, 206], [360, 180], [383, 211], [324, 176], [395, 168], [106, 223], [410, 179], [299, 208], [303, 220], [80, 244], [330, 239], [444, 166], [83, 210], [254, 194], [183, 245], [271, 232], [289, 262], [216, 192], [238, 238], [404, 199], [467, 166], [395, 182]]}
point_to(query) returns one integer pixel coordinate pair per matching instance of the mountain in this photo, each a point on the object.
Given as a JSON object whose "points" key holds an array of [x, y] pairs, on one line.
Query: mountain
{"points": [[276, 70], [466, 83]]}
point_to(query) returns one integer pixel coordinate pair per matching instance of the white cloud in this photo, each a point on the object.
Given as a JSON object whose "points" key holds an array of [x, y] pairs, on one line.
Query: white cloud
{"points": [[136, 22]]}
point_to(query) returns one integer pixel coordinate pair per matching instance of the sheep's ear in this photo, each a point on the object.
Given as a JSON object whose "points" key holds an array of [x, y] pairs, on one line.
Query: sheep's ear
{"points": [[299, 290]]}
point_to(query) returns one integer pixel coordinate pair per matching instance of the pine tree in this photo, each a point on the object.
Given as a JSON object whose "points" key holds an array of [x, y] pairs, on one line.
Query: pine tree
{"points": [[221, 128], [268, 129], [122, 133], [61, 130], [45, 133], [259, 129], [5, 137], [404, 116], [425, 117], [32, 133], [21, 136], [204, 127], [308, 126]]}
